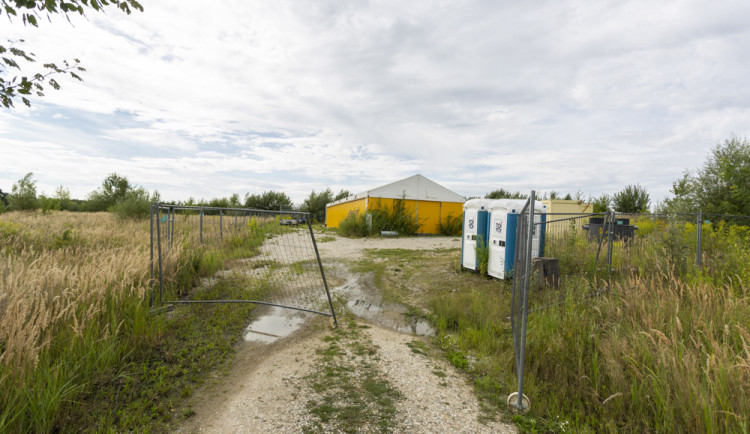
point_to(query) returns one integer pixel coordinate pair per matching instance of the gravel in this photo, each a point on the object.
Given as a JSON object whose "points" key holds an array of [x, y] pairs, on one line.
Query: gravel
{"points": [[266, 391]]}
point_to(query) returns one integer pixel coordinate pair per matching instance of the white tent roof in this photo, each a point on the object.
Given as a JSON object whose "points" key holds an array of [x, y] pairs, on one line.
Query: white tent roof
{"points": [[415, 187]]}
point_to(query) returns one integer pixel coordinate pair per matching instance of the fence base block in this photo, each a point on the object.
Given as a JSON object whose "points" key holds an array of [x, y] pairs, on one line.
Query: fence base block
{"points": [[546, 272]]}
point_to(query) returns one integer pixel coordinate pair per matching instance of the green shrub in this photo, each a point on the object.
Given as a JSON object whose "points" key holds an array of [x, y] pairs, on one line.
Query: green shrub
{"points": [[136, 205], [450, 225], [396, 218], [354, 226]]}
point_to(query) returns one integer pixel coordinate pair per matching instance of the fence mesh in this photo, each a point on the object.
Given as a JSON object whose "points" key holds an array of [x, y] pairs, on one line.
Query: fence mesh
{"points": [[270, 255], [595, 251], [519, 304]]}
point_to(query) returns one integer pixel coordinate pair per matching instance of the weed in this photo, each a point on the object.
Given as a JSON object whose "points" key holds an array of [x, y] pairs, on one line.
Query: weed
{"points": [[352, 394], [450, 225], [418, 347]]}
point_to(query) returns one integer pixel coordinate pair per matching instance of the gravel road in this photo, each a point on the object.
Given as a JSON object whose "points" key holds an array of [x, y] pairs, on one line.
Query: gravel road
{"points": [[266, 388]]}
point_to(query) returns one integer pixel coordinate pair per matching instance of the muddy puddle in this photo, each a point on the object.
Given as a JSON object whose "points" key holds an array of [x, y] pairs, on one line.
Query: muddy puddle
{"points": [[362, 301], [367, 304], [275, 324]]}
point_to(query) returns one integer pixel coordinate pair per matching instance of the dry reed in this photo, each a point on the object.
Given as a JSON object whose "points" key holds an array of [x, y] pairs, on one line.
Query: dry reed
{"points": [[57, 270]]}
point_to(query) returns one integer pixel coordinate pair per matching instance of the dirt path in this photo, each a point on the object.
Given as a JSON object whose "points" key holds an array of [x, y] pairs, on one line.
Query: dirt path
{"points": [[280, 387]]}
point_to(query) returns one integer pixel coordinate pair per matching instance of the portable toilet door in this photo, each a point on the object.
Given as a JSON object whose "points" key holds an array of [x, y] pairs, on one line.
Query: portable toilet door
{"points": [[474, 232], [503, 222], [503, 219]]}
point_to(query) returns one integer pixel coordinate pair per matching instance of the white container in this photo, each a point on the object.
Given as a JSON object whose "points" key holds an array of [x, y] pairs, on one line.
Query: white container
{"points": [[474, 231]]}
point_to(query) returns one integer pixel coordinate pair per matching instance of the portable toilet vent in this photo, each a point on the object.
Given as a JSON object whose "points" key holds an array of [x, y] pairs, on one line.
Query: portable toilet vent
{"points": [[503, 222], [474, 231]]}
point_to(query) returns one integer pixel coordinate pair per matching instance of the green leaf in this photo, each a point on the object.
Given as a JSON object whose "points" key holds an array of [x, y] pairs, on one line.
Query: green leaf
{"points": [[10, 62], [26, 101]]}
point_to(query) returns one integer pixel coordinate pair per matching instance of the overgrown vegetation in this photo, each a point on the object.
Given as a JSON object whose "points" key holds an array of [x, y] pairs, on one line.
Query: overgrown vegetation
{"points": [[78, 348], [316, 203], [666, 349], [631, 199], [396, 218], [451, 225], [720, 186]]}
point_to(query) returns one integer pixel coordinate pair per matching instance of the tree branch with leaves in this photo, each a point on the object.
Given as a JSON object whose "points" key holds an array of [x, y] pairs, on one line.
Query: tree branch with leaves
{"points": [[30, 13]]}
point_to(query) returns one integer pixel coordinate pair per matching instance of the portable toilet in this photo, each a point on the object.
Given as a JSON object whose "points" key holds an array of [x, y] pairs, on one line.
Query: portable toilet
{"points": [[503, 222], [474, 231]]}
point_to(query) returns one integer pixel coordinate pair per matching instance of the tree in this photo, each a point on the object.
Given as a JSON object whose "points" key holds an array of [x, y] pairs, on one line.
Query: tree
{"points": [[136, 204], [114, 189], [316, 203], [721, 186], [3, 198], [62, 194], [632, 199], [504, 194], [30, 13], [23, 196], [602, 203], [269, 200], [343, 194]]}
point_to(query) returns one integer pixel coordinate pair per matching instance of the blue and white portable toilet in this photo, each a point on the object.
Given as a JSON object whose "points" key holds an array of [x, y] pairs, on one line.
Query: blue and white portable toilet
{"points": [[474, 231], [503, 222]]}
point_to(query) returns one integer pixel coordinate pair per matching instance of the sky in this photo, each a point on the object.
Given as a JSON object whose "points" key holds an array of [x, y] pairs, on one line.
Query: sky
{"points": [[206, 99]]}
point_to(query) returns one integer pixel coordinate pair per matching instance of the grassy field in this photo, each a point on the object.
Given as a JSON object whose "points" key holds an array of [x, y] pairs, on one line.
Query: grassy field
{"points": [[665, 349], [78, 347]]}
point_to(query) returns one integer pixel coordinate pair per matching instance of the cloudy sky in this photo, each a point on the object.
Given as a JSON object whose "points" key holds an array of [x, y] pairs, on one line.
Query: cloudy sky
{"points": [[206, 99]]}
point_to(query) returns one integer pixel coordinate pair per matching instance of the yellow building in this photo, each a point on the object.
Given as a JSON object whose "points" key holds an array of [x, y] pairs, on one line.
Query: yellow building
{"points": [[560, 206], [427, 200], [559, 209]]}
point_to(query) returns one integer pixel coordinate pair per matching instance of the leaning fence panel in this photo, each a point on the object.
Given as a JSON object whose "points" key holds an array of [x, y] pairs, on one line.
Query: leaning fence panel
{"points": [[525, 231], [271, 255]]}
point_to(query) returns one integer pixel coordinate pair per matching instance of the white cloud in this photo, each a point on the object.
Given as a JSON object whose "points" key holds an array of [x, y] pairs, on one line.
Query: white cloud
{"points": [[208, 101]]}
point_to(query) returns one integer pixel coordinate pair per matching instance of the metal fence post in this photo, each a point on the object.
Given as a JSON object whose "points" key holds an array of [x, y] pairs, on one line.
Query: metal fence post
{"points": [[158, 242], [221, 225], [171, 228], [525, 312], [151, 248], [610, 239], [201, 227], [322, 273], [699, 236]]}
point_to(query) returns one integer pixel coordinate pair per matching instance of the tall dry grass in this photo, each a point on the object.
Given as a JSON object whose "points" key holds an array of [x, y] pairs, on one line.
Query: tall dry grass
{"points": [[58, 271], [666, 349]]}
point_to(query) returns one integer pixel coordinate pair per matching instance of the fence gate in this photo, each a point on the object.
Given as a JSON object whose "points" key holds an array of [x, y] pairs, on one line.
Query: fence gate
{"points": [[270, 256]]}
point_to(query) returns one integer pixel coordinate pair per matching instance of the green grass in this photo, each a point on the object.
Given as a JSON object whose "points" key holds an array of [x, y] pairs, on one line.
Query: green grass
{"points": [[146, 390], [351, 393], [659, 352], [128, 370], [666, 349]]}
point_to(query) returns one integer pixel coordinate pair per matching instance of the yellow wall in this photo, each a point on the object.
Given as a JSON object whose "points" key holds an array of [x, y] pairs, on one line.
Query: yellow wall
{"points": [[336, 213], [568, 206], [428, 213]]}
